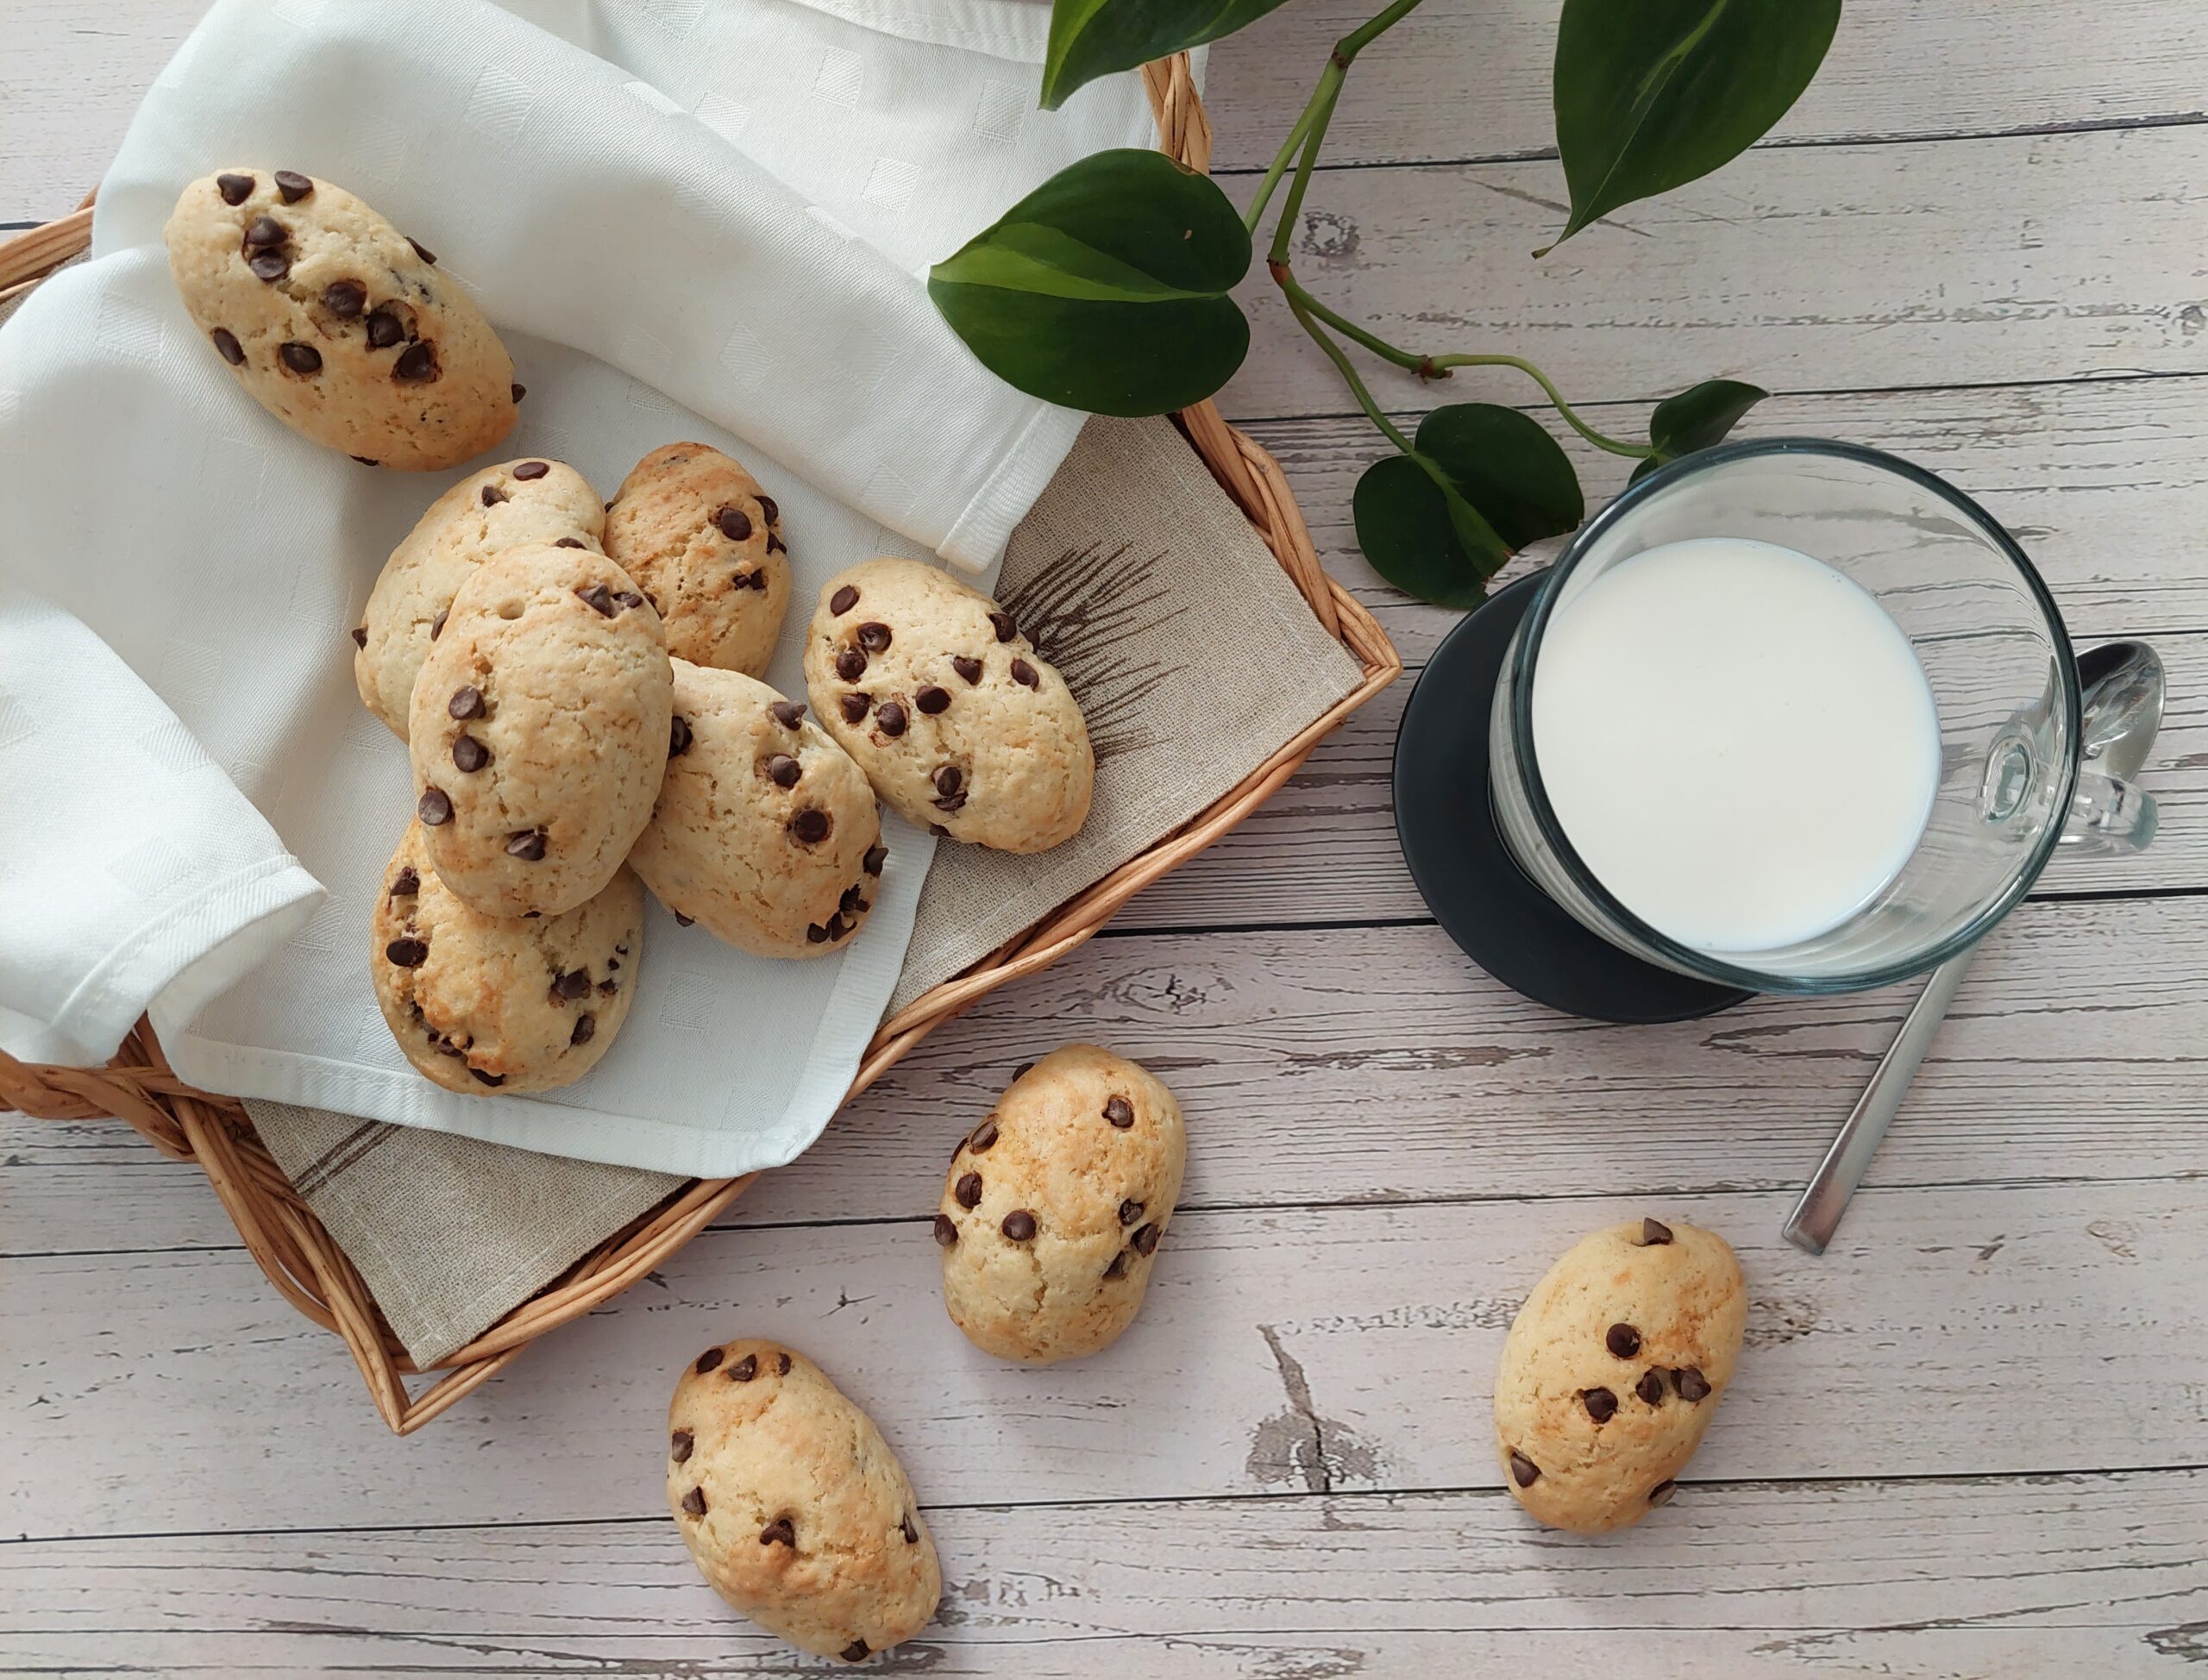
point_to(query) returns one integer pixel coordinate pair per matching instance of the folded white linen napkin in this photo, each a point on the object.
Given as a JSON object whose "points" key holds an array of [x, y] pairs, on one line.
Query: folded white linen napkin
{"points": [[688, 221]]}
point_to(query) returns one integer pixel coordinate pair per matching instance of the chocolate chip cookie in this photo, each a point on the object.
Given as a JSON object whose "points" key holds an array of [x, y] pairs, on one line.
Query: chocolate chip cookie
{"points": [[1612, 1371], [337, 323], [704, 542], [498, 507], [490, 1003], [1055, 1205], [959, 724], [765, 833], [538, 729], [793, 1507]]}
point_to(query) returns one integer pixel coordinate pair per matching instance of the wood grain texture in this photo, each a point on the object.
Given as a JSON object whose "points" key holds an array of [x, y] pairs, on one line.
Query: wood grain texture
{"points": [[71, 74], [2056, 1575]]}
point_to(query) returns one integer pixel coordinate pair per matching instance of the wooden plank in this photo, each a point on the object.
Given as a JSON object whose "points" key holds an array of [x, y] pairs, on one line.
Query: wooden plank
{"points": [[1297, 1350], [1469, 78], [70, 75], [2056, 1575], [1802, 268], [1285, 1045]]}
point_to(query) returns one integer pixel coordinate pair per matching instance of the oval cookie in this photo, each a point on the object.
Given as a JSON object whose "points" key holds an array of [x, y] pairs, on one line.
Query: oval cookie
{"points": [[337, 323], [482, 1003], [1054, 1205], [1612, 1371], [793, 1507], [706, 543], [765, 833], [959, 724], [498, 507], [538, 729]]}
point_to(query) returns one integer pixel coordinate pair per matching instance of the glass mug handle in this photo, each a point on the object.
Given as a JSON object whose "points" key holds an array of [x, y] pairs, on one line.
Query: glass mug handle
{"points": [[2122, 709], [2109, 815]]}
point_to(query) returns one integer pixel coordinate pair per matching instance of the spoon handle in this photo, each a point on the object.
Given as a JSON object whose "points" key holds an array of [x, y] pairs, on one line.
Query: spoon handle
{"points": [[1816, 1215]]}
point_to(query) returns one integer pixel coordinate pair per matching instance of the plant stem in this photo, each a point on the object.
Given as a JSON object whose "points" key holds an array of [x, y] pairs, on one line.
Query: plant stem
{"points": [[1256, 213], [1316, 114], [1340, 359], [1440, 367], [1349, 328]]}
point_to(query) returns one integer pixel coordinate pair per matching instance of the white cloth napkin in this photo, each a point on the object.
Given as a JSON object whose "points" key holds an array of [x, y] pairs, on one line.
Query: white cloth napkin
{"points": [[688, 221]]}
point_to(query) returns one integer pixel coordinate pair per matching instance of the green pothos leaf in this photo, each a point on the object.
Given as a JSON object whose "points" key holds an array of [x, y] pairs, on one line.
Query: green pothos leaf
{"points": [[1652, 94], [1480, 483], [1104, 289], [1093, 38], [1695, 418]]}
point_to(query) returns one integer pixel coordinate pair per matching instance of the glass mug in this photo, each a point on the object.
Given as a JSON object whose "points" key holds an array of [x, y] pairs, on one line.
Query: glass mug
{"points": [[1991, 645]]}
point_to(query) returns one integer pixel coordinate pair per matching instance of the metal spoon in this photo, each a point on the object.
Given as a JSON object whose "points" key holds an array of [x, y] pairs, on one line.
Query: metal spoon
{"points": [[2121, 711]]}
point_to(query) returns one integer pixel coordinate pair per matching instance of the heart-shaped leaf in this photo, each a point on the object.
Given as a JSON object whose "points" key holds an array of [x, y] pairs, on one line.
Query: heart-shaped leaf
{"points": [[1104, 289], [1652, 94], [1093, 38], [1482, 482], [1697, 418]]}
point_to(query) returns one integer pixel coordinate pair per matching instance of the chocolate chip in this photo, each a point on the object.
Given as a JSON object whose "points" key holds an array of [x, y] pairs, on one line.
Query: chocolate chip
{"points": [[840, 929], [269, 266], [789, 713], [293, 186], [586, 1025], [1006, 629], [406, 953], [681, 920], [226, 343], [781, 1532], [437, 623], [1623, 1339], [571, 542], [694, 1502], [781, 1365], [265, 233], [421, 251], [417, 363], [1692, 1384], [519, 391], [1025, 675], [300, 358], [433, 807], [933, 699], [939, 830], [735, 524], [1661, 1493], [811, 825], [1147, 1240], [678, 1445], [487, 1079], [678, 735], [1118, 1266], [366, 461], [492, 495], [468, 753], [1120, 1112], [1019, 1225], [345, 298], [1130, 1211], [767, 507], [407, 883], [750, 580], [606, 989], [849, 903], [527, 844], [1523, 1470], [968, 1190], [1602, 1405], [1022, 1071], [843, 600], [234, 188], [707, 1360], [384, 330], [892, 719], [912, 1534], [359, 635], [745, 1368], [984, 1137], [815, 934], [968, 668], [857, 1652], [854, 707], [874, 858], [874, 636], [466, 702], [783, 770], [1653, 1233], [575, 983], [851, 665], [1650, 1386], [598, 598], [775, 545], [531, 469]]}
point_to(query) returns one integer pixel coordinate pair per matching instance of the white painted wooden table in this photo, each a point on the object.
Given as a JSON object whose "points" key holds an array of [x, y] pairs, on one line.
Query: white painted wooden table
{"points": [[1971, 1440]]}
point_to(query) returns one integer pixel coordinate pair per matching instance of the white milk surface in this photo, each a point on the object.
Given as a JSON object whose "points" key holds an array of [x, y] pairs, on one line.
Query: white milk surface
{"points": [[1737, 739]]}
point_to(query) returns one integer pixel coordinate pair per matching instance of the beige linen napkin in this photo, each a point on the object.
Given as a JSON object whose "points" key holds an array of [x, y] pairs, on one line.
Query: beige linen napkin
{"points": [[1194, 658]]}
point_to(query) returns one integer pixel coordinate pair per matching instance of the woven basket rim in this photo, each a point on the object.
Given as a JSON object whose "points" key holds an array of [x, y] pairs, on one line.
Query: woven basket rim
{"points": [[280, 1231]]}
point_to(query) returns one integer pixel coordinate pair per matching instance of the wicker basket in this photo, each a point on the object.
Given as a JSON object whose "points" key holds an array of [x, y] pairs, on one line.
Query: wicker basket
{"points": [[281, 1230]]}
